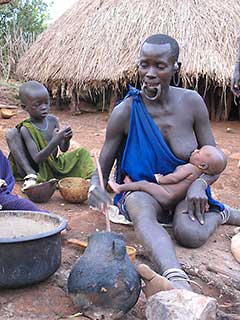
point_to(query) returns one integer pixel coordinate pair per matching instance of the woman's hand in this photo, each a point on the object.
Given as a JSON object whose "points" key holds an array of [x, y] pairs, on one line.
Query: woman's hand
{"points": [[98, 198], [197, 200]]}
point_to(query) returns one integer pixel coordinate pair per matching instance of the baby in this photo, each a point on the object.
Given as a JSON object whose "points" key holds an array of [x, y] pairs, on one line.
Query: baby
{"points": [[173, 187]]}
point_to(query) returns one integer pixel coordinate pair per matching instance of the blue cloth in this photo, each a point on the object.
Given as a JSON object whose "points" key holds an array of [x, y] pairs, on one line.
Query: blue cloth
{"points": [[9, 201], [6, 174], [146, 151]]}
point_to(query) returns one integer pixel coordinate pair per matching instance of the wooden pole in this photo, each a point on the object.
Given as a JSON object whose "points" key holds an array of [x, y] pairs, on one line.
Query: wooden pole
{"points": [[100, 176]]}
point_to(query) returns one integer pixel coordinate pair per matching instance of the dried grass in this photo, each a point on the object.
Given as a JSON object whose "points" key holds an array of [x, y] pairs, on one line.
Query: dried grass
{"points": [[4, 1], [95, 43]]}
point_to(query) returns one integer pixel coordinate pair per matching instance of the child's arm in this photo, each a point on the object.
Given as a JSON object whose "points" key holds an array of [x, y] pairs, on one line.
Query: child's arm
{"points": [[37, 155], [65, 143], [181, 173]]}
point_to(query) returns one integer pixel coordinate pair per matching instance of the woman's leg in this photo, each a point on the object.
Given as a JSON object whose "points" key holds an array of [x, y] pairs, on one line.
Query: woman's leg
{"points": [[144, 211]]}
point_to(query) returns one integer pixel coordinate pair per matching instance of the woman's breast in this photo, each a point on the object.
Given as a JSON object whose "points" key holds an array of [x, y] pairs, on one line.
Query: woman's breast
{"points": [[181, 143]]}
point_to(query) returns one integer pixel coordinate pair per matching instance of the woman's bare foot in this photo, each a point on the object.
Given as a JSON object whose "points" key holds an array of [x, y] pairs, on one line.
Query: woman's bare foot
{"points": [[155, 283]]}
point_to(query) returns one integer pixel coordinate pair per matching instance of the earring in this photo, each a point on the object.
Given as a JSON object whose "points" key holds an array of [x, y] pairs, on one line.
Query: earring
{"points": [[137, 61], [176, 76]]}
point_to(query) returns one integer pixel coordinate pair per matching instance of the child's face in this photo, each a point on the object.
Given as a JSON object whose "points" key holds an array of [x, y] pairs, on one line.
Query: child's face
{"points": [[37, 104]]}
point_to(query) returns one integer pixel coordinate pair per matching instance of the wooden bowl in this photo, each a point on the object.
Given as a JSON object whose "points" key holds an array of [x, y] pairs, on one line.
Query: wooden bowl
{"points": [[41, 192], [8, 113], [74, 189]]}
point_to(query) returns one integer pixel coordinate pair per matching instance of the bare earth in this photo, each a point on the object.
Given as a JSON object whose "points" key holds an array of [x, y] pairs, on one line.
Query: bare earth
{"points": [[49, 299]]}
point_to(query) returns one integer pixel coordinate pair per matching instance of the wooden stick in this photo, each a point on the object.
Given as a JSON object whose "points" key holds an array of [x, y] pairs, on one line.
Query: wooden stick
{"points": [[100, 176], [227, 273]]}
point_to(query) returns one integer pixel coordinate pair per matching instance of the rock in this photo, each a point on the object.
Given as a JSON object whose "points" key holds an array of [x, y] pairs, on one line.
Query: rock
{"points": [[180, 304]]}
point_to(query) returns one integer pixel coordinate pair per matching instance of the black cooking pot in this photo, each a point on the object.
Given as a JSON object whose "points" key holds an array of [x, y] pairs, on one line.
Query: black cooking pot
{"points": [[30, 259]]}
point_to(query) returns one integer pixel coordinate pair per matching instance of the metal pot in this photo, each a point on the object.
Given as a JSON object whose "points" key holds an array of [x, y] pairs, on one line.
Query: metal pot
{"points": [[30, 259]]}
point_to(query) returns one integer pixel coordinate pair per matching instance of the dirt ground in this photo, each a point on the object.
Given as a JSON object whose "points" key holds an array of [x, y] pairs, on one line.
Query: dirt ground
{"points": [[49, 299]]}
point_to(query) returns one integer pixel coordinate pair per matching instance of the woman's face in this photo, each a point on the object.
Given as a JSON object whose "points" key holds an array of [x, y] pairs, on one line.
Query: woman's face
{"points": [[156, 67]]}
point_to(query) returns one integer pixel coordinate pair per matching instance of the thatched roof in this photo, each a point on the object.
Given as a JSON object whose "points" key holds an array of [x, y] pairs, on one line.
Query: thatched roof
{"points": [[96, 42], [4, 1]]}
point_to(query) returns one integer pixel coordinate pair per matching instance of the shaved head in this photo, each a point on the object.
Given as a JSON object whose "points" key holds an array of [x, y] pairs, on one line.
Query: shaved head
{"points": [[29, 89], [217, 160], [164, 39]]}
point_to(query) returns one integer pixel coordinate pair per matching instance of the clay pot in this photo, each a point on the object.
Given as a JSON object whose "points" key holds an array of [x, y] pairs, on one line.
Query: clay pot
{"points": [[74, 189], [104, 283], [41, 192]]}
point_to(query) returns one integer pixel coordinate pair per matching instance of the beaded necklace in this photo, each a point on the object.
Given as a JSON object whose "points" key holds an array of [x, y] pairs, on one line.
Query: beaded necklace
{"points": [[41, 129]]}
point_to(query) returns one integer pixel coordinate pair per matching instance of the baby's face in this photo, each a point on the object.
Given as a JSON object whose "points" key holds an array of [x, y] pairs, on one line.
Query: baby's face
{"points": [[199, 157], [37, 103]]}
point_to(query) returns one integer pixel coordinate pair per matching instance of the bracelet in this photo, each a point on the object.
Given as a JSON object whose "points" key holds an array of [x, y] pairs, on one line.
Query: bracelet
{"points": [[204, 181]]}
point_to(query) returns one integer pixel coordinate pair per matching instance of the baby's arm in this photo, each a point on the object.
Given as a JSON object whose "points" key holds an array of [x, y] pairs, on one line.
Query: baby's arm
{"points": [[181, 173]]}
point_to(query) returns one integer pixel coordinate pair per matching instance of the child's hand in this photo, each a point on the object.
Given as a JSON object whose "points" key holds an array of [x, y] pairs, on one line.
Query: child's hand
{"points": [[68, 134], [55, 131], [3, 184]]}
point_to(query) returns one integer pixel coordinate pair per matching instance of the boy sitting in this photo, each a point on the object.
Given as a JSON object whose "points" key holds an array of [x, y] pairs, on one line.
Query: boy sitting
{"points": [[37, 158]]}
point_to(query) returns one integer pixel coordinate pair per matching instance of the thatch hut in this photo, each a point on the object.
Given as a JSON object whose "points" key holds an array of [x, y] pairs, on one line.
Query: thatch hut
{"points": [[4, 1], [93, 46]]}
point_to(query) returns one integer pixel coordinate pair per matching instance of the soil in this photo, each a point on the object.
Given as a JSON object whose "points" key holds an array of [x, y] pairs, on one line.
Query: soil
{"points": [[13, 227], [49, 299]]}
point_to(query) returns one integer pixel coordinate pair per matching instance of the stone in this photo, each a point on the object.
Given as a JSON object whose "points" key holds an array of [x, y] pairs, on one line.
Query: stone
{"points": [[179, 304]]}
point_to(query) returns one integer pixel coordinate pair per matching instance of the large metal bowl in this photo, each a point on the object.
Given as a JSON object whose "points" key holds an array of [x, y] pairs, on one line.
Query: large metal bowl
{"points": [[25, 260]]}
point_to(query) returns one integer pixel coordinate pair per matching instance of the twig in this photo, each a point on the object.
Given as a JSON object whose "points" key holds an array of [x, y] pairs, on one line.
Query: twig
{"points": [[100, 176], [226, 273]]}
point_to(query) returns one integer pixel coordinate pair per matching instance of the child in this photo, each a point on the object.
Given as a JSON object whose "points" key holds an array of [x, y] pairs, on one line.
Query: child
{"points": [[173, 187], [43, 139]]}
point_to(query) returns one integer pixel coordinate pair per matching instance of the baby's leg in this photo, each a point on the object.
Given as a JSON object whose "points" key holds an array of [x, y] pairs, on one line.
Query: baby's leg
{"points": [[131, 186], [155, 190]]}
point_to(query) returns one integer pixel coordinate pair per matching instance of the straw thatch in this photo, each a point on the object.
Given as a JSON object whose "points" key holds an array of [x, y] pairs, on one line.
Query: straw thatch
{"points": [[4, 1], [96, 42]]}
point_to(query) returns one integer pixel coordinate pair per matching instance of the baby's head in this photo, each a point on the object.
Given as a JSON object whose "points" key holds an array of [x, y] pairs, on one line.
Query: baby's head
{"points": [[34, 99], [209, 159]]}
